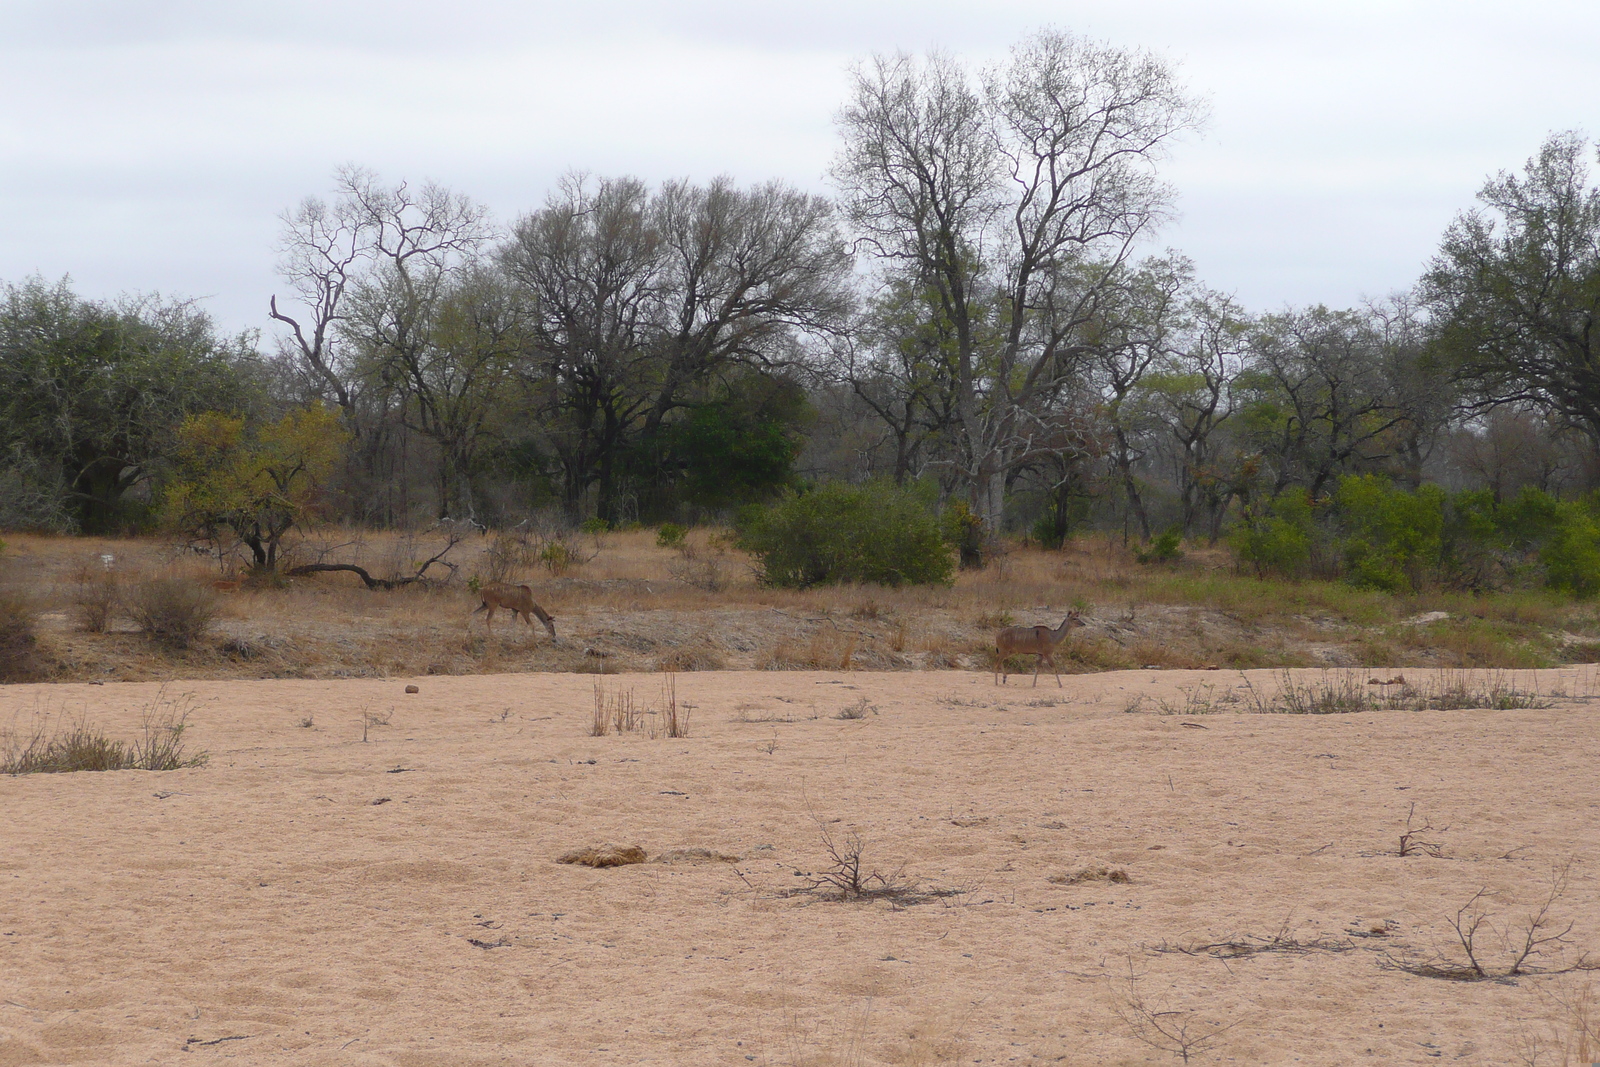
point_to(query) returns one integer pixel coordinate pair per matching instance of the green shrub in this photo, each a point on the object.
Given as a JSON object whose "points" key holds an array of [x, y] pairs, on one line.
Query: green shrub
{"points": [[1394, 540], [964, 530], [1047, 532], [595, 525], [843, 533], [1163, 548], [1571, 553], [1278, 539], [670, 535]]}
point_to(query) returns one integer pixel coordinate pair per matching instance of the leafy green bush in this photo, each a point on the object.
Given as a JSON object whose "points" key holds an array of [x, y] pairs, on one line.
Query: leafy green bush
{"points": [[1278, 539], [1163, 548], [843, 533], [1571, 554], [594, 525], [1383, 537], [1393, 540], [964, 530], [670, 535]]}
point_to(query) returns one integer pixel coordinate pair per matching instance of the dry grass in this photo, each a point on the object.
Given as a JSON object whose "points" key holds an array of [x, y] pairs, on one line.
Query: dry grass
{"points": [[623, 604], [53, 744], [19, 639]]}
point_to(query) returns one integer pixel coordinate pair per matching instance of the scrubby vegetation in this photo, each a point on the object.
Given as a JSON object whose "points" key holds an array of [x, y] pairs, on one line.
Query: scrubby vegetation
{"points": [[841, 533], [54, 745], [1378, 536]]}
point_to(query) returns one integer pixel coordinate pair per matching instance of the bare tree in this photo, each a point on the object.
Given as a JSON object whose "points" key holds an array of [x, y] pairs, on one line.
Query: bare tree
{"points": [[325, 250], [366, 268], [1014, 198]]}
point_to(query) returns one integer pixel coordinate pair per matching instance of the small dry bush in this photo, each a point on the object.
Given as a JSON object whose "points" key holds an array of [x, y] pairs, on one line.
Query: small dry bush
{"points": [[620, 713], [859, 710], [52, 746], [96, 594], [847, 875], [615, 712], [174, 612], [19, 638]]}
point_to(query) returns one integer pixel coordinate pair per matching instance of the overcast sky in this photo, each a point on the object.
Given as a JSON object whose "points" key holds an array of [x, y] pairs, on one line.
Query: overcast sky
{"points": [[152, 146]]}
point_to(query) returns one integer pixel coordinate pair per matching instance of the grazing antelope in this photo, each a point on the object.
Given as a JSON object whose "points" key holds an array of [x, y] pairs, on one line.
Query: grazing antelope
{"points": [[517, 599], [1040, 641]]}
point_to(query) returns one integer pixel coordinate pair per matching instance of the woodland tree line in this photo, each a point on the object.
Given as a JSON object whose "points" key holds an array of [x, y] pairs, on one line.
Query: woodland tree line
{"points": [[974, 317]]}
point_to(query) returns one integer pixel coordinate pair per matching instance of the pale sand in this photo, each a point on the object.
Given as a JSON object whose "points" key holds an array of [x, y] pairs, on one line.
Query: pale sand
{"points": [[263, 909]]}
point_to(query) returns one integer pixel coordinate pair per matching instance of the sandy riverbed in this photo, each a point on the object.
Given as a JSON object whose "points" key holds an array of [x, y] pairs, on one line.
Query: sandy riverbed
{"points": [[312, 898]]}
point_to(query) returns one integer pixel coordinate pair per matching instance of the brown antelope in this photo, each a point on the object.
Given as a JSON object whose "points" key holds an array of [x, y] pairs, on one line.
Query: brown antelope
{"points": [[1040, 641], [517, 599]]}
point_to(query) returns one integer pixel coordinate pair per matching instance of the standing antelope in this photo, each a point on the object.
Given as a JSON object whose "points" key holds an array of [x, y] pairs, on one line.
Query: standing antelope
{"points": [[1040, 641], [517, 599]]}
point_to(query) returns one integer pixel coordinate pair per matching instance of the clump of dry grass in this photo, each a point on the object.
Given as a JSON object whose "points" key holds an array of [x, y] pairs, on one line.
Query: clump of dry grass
{"points": [[615, 712], [700, 657], [826, 650], [1117, 876], [52, 746], [176, 613], [604, 856]]}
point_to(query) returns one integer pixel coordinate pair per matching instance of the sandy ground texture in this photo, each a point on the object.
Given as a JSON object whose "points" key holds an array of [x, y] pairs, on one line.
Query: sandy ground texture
{"points": [[313, 897]]}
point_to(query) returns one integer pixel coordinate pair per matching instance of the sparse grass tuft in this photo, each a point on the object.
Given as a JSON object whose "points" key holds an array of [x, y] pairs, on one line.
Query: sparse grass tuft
{"points": [[51, 747], [859, 710], [1117, 876]]}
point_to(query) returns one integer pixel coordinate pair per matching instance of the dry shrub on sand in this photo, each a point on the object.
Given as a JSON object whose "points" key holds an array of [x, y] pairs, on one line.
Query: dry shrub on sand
{"points": [[1091, 874], [604, 856]]}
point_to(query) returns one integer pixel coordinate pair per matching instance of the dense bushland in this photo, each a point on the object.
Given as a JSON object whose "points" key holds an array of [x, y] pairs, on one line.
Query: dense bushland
{"points": [[1379, 536]]}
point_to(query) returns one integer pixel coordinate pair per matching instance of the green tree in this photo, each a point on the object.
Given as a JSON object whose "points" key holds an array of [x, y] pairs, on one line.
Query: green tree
{"points": [[92, 395], [638, 300], [738, 448], [253, 484], [1515, 288]]}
